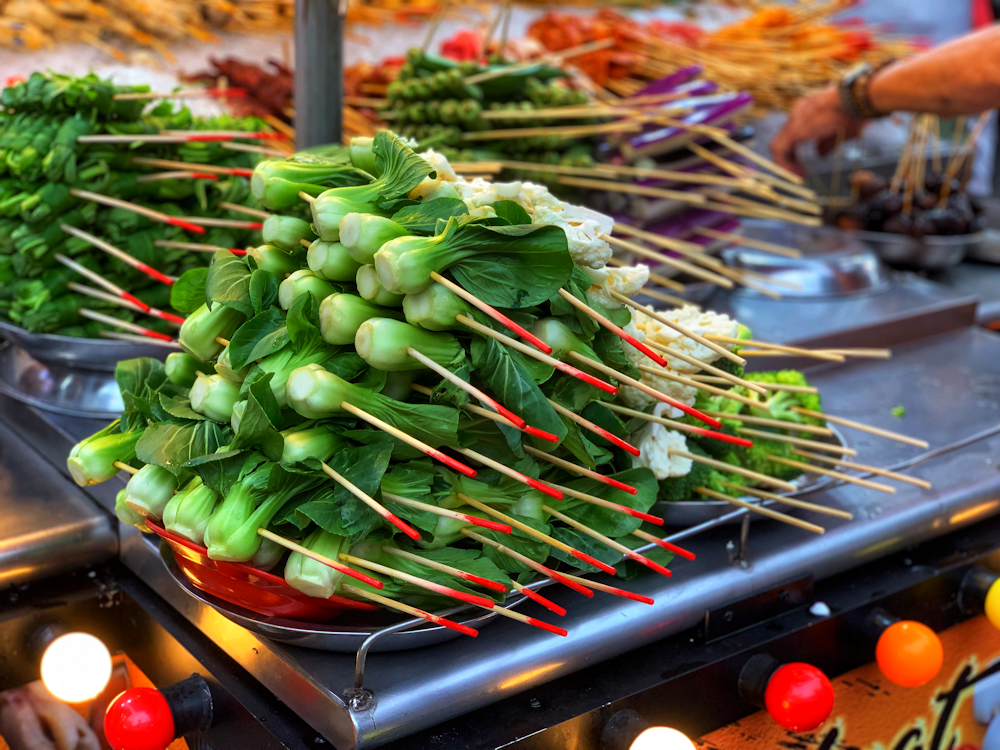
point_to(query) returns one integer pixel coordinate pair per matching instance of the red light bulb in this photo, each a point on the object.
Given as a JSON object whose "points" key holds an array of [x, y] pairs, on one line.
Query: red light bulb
{"points": [[139, 719], [909, 653], [799, 697]]}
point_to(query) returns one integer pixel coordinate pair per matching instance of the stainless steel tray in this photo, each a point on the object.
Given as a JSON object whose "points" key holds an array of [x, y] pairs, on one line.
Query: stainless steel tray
{"points": [[337, 637], [91, 354], [693, 512], [927, 253]]}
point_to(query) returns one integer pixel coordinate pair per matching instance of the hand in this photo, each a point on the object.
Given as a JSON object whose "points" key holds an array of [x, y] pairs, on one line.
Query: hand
{"points": [[820, 116]]}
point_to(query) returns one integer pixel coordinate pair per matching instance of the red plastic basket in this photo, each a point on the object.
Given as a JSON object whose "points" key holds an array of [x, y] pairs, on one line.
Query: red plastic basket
{"points": [[252, 589]]}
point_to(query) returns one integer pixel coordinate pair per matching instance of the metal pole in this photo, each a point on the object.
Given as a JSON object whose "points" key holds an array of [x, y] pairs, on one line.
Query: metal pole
{"points": [[319, 77]]}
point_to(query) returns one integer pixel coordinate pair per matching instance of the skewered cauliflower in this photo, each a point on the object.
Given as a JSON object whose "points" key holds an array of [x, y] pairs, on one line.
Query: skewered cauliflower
{"points": [[638, 399], [655, 442], [690, 318], [440, 164], [628, 280]]}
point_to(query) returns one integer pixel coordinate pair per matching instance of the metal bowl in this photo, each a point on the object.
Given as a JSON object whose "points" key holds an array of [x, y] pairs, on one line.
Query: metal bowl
{"points": [[90, 354], [693, 512], [344, 635], [928, 253]]}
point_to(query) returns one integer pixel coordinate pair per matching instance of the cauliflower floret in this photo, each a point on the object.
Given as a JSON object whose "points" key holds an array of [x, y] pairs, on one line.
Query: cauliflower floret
{"points": [[655, 443], [439, 163], [693, 320], [583, 226], [430, 189], [639, 399], [627, 280]]}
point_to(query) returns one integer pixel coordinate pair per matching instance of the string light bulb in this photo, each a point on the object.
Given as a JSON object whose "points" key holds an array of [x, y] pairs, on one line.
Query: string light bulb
{"points": [[76, 667], [662, 738]]}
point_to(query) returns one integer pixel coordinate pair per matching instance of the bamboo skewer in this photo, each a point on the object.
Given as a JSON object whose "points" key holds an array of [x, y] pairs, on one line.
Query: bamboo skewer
{"points": [[370, 502], [863, 353], [617, 507], [596, 429], [582, 471], [609, 171], [619, 332], [597, 586], [133, 338], [835, 474], [523, 478], [782, 424], [624, 187], [125, 326], [541, 624], [306, 552], [680, 265], [119, 254], [174, 164], [680, 426], [798, 351], [719, 380], [125, 467], [525, 349], [723, 466], [563, 131], [435, 565], [538, 598], [447, 513], [208, 221], [790, 501], [667, 298], [177, 175], [773, 514], [527, 561], [149, 213], [720, 374], [664, 544], [437, 588], [865, 468], [791, 440], [566, 54], [647, 389], [703, 387], [115, 300], [393, 604], [101, 281], [682, 330], [237, 208], [246, 148], [492, 312], [738, 239], [688, 249], [190, 93], [481, 412], [617, 546], [197, 247], [533, 532], [863, 427], [452, 378], [420, 445]]}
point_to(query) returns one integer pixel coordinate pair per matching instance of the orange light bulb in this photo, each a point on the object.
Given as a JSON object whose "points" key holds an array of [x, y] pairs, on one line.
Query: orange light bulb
{"points": [[909, 653]]}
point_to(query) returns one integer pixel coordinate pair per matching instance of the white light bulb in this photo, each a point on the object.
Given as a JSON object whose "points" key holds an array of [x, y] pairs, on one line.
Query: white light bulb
{"points": [[76, 667], [662, 738]]}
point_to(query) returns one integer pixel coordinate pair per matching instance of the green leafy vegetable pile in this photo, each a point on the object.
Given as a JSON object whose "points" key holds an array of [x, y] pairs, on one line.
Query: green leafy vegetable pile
{"points": [[283, 346], [41, 161]]}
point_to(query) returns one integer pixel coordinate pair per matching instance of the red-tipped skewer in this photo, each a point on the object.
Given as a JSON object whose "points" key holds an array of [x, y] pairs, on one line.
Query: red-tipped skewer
{"points": [[435, 565], [481, 412], [533, 483], [525, 349], [617, 507], [437, 588], [680, 426], [115, 300], [135, 208], [192, 93], [679, 551], [124, 325], [583, 528], [448, 513], [120, 254], [329, 562], [208, 221], [101, 281], [538, 598], [177, 175], [175, 164], [596, 429], [434, 453], [525, 560], [371, 502], [623, 335], [615, 591], [197, 247], [570, 466], [492, 312], [392, 604]]}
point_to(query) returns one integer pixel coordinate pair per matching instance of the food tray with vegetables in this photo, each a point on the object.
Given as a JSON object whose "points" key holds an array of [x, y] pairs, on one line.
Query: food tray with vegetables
{"points": [[352, 409]]}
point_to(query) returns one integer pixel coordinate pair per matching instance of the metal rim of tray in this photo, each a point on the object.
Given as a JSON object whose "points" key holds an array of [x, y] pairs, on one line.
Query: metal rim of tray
{"points": [[92, 354], [692, 512], [334, 637]]}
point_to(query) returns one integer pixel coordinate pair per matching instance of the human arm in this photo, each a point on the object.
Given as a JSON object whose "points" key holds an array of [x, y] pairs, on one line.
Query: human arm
{"points": [[959, 77]]}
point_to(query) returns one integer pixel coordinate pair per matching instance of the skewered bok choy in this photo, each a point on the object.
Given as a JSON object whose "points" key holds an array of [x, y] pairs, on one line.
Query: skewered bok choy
{"points": [[300, 430]]}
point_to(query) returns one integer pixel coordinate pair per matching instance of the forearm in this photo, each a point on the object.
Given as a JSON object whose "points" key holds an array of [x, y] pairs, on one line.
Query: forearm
{"points": [[958, 78]]}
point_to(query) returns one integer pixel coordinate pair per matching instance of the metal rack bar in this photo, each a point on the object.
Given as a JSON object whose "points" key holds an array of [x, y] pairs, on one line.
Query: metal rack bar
{"points": [[319, 64]]}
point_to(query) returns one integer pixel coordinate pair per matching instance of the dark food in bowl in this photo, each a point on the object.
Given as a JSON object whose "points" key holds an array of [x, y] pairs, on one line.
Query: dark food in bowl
{"points": [[880, 209]]}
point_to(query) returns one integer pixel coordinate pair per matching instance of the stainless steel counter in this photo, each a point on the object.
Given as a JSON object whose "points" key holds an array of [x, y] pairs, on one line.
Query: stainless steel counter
{"points": [[950, 386], [49, 527]]}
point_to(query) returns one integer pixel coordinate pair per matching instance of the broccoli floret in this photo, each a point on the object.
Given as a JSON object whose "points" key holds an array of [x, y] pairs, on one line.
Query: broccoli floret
{"points": [[755, 459], [711, 447], [727, 365], [682, 488]]}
